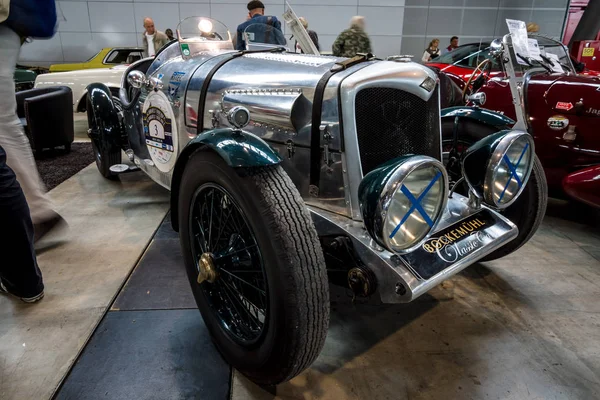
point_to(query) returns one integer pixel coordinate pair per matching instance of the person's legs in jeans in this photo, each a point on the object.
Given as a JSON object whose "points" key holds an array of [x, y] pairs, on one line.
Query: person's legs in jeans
{"points": [[12, 137], [19, 272]]}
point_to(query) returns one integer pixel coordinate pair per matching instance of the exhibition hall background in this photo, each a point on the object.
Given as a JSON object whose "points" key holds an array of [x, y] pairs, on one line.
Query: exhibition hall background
{"points": [[395, 26]]}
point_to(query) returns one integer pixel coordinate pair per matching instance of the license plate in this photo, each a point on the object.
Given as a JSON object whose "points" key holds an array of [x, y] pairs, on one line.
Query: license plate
{"points": [[452, 244]]}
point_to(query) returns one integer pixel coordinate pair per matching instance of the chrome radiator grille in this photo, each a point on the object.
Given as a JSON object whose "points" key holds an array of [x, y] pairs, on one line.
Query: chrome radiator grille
{"points": [[391, 123]]}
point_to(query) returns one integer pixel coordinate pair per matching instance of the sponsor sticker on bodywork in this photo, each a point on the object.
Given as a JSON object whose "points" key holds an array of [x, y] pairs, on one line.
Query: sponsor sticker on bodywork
{"points": [[185, 49], [558, 122], [562, 105], [452, 244], [160, 131], [174, 84]]}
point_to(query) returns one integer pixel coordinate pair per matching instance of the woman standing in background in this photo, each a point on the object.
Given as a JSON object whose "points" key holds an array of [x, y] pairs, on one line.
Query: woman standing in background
{"points": [[432, 51]]}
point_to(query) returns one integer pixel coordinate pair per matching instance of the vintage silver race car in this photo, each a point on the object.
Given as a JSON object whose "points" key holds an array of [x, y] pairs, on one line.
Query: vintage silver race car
{"points": [[289, 171]]}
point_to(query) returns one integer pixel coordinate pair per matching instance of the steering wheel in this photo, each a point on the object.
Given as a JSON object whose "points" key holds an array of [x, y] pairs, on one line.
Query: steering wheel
{"points": [[476, 79]]}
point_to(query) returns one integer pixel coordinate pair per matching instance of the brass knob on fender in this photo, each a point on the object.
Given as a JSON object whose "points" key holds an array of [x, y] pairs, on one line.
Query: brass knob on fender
{"points": [[207, 271]]}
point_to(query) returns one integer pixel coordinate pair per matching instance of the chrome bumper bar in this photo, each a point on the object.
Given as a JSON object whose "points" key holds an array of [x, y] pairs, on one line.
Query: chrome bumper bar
{"points": [[464, 238]]}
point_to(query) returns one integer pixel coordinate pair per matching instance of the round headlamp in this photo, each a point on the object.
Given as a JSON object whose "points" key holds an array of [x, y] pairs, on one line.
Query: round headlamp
{"points": [[402, 201], [498, 167]]}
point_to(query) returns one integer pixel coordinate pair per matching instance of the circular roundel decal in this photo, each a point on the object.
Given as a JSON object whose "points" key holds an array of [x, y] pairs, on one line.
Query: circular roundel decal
{"points": [[160, 131], [558, 122]]}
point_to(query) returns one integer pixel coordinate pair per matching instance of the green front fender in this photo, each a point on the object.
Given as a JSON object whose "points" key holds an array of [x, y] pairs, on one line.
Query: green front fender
{"points": [[478, 114], [238, 149]]}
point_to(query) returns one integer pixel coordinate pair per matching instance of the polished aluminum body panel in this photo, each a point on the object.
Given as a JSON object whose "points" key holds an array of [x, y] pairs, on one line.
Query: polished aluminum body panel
{"points": [[280, 100]]}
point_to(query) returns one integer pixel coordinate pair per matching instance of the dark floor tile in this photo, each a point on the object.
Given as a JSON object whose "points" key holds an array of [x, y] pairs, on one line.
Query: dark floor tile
{"points": [[149, 355], [165, 231], [159, 282]]}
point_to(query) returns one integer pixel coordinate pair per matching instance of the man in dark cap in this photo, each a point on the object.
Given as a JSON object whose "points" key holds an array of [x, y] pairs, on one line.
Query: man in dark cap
{"points": [[256, 15]]}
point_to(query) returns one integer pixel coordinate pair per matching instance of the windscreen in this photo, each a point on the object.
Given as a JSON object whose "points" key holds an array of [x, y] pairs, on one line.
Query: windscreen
{"points": [[541, 52], [459, 54]]}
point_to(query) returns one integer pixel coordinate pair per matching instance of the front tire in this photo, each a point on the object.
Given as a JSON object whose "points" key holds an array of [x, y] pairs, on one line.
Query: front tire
{"points": [[528, 211], [267, 307], [106, 154]]}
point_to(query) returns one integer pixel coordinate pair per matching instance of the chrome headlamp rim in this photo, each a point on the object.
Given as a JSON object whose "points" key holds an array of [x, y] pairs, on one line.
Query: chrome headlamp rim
{"points": [[393, 185], [495, 161]]}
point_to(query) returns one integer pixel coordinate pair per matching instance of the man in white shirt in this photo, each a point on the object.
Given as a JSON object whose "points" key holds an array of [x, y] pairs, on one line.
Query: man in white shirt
{"points": [[153, 39]]}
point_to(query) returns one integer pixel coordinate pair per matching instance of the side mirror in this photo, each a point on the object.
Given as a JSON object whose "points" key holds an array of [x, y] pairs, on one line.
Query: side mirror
{"points": [[136, 79], [496, 48]]}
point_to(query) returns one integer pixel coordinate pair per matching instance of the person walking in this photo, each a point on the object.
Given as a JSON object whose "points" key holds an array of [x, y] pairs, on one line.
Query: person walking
{"points": [[432, 51], [353, 40], [153, 40], [169, 34], [20, 275], [312, 34], [22, 19], [267, 27]]}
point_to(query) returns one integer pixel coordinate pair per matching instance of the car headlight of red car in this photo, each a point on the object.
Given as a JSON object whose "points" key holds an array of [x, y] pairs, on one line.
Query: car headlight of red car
{"points": [[498, 167]]}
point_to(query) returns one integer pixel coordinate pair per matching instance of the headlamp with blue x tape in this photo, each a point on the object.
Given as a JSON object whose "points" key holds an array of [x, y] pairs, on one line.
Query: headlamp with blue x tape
{"points": [[497, 168], [403, 200]]}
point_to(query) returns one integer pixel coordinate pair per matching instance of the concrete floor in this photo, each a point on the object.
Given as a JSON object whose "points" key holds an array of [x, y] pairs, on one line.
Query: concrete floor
{"points": [[81, 126], [111, 224], [523, 327]]}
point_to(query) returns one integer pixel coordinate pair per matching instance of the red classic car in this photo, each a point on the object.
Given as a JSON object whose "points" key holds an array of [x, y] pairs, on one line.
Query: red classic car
{"points": [[462, 61], [559, 107]]}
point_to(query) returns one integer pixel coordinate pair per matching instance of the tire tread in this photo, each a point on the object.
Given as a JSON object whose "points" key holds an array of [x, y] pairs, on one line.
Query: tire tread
{"points": [[293, 225]]}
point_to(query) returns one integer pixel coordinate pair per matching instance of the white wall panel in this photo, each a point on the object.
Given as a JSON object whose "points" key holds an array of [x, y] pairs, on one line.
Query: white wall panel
{"points": [[76, 16], [383, 46], [172, 1], [326, 42], [391, 3], [326, 19], [193, 10], [78, 46], [383, 20], [107, 39], [165, 15], [42, 51], [112, 17], [414, 46]]}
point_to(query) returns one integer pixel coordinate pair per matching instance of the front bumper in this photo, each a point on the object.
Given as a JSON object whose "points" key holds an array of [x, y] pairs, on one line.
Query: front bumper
{"points": [[463, 236]]}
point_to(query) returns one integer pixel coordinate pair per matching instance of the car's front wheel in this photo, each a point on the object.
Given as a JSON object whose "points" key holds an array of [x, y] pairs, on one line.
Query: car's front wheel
{"points": [[106, 154], [255, 265]]}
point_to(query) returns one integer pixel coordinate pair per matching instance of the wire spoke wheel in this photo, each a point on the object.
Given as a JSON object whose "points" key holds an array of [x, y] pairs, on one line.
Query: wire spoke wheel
{"points": [[255, 266], [229, 263]]}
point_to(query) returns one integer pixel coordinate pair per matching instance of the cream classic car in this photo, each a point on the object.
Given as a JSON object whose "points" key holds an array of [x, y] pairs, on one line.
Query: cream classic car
{"points": [[79, 80]]}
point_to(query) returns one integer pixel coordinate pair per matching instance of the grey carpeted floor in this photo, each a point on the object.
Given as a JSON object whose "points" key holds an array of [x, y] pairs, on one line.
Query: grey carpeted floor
{"points": [[56, 166]]}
